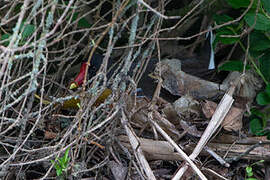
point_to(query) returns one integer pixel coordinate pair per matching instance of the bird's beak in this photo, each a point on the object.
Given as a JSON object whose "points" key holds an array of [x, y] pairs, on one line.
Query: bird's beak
{"points": [[73, 86]]}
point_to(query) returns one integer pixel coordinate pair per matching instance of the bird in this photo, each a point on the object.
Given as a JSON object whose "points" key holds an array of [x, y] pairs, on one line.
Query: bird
{"points": [[146, 86], [95, 64]]}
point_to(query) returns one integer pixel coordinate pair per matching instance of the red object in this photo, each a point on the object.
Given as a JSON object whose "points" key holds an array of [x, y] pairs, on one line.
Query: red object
{"points": [[79, 79]]}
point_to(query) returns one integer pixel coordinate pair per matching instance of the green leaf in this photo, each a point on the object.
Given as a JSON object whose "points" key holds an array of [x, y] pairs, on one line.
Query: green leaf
{"points": [[258, 41], [233, 66], [240, 25], [5, 38], [265, 65], [83, 23], [66, 158], [256, 126], [220, 19], [238, 3], [61, 162], [263, 98], [251, 179], [267, 89], [226, 40], [268, 136], [59, 172], [249, 171], [256, 54], [28, 31], [52, 161], [256, 112], [266, 5], [262, 22], [57, 166]]}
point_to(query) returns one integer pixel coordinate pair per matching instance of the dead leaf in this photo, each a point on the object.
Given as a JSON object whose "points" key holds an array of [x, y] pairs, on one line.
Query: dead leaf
{"points": [[186, 104], [50, 135], [232, 121], [192, 130], [208, 108]]}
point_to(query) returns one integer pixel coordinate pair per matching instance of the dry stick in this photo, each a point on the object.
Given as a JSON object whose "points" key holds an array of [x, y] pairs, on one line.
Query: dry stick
{"points": [[167, 137], [3, 70], [158, 13], [126, 152], [133, 139], [182, 153], [152, 37], [217, 157], [214, 173], [237, 158], [217, 118], [100, 39], [79, 114], [202, 32]]}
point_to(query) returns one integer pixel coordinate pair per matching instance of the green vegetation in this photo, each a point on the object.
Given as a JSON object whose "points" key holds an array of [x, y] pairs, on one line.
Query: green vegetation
{"points": [[249, 170], [61, 164], [257, 18]]}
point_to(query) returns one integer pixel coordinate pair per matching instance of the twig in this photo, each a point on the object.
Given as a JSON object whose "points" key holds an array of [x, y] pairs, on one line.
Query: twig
{"points": [[136, 147], [177, 148], [156, 12], [217, 157], [230, 160]]}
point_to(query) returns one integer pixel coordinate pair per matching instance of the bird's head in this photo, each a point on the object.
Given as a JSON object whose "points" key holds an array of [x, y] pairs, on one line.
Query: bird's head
{"points": [[94, 66]]}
